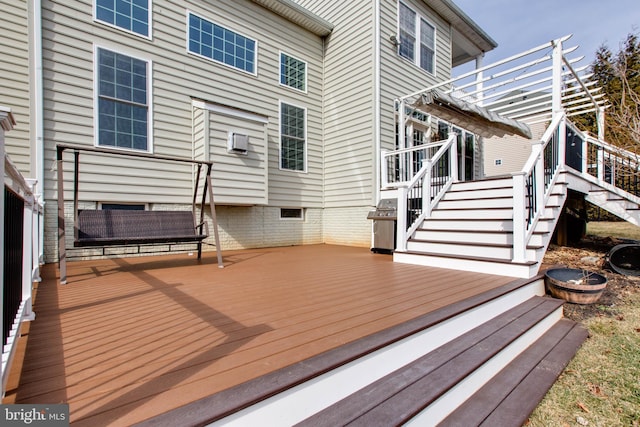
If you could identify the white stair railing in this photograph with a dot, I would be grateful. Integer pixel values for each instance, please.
(533, 184)
(417, 198)
(399, 167)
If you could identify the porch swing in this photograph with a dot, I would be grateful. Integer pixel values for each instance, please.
(124, 227)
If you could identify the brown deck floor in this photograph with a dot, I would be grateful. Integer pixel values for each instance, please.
(130, 338)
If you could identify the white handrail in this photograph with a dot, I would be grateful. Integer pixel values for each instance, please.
(424, 177)
(401, 157)
(526, 217)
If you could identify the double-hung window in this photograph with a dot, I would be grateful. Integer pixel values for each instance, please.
(122, 101)
(292, 137)
(130, 15)
(293, 72)
(417, 39)
(220, 44)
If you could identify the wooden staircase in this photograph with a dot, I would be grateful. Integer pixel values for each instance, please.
(499, 350)
(471, 229)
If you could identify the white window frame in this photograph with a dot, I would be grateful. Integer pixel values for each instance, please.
(416, 60)
(96, 98)
(190, 52)
(306, 72)
(306, 138)
(300, 218)
(147, 36)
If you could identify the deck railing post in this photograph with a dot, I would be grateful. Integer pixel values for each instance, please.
(453, 158)
(27, 260)
(62, 254)
(585, 154)
(35, 232)
(562, 141)
(384, 171)
(401, 222)
(539, 183)
(600, 164)
(426, 189)
(519, 217)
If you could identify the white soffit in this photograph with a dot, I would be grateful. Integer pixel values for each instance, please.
(299, 15)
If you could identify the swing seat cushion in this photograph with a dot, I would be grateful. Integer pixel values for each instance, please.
(125, 227)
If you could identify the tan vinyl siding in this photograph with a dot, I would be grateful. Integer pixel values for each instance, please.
(238, 178)
(399, 76)
(14, 85)
(349, 92)
(200, 130)
(512, 151)
(177, 76)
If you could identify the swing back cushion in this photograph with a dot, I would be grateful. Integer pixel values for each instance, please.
(122, 227)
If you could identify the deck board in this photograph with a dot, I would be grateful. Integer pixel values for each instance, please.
(130, 338)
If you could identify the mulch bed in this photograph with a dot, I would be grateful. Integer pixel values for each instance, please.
(589, 254)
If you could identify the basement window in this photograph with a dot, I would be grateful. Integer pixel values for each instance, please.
(122, 206)
(292, 213)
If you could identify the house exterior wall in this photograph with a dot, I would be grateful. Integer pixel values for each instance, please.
(351, 155)
(348, 101)
(348, 111)
(511, 152)
(15, 89)
(177, 77)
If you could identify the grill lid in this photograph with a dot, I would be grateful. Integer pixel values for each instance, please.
(386, 209)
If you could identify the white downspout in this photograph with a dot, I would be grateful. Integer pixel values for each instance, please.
(38, 113)
(376, 101)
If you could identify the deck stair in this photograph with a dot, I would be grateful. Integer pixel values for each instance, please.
(433, 369)
(471, 229)
(612, 199)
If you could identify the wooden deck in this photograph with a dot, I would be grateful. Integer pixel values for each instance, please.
(127, 339)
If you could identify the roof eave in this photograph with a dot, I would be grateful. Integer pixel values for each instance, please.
(467, 34)
(297, 14)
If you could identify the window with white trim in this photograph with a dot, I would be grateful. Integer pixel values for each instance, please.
(292, 213)
(293, 72)
(130, 15)
(417, 38)
(122, 100)
(220, 44)
(292, 137)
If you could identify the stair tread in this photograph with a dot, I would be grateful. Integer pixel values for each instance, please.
(534, 387)
(473, 258)
(399, 396)
(510, 396)
(476, 219)
(508, 186)
(491, 245)
(484, 199)
(489, 208)
(473, 231)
